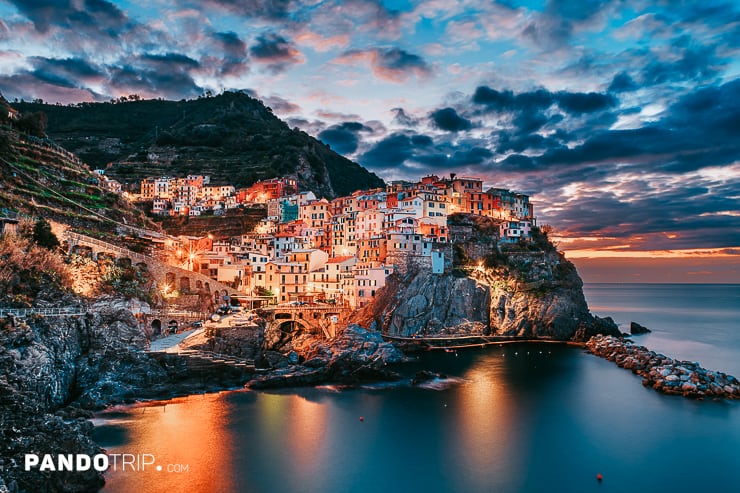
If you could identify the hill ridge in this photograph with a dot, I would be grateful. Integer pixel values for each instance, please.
(232, 137)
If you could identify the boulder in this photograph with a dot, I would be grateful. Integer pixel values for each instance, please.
(637, 329)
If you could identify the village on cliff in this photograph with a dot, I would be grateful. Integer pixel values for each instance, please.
(338, 251)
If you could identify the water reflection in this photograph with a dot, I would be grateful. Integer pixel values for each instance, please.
(522, 418)
(188, 439)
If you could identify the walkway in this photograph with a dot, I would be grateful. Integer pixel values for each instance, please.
(171, 343)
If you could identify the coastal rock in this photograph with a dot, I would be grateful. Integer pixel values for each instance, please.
(48, 363)
(489, 301)
(637, 329)
(664, 374)
(354, 356)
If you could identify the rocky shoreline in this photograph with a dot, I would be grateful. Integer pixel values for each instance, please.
(665, 374)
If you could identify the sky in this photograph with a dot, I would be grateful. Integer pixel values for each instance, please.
(620, 118)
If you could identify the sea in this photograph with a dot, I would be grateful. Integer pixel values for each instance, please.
(529, 417)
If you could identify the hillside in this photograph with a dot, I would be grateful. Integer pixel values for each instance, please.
(38, 178)
(231, 137)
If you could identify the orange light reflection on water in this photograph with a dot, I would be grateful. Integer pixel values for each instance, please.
(486, 420)
(184, 432)
(308, 425)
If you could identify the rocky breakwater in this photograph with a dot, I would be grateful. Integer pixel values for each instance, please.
(356, 355)
(665, 374)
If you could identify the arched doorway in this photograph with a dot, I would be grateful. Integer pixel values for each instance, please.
(185, 285)
(170, 279)
(156, 327)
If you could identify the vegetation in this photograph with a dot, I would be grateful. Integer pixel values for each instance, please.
(39, 179)
(232, 137)
(125, 280)
(27, 268)
(43, 236)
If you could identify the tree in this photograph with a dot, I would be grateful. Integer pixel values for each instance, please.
(43, 236)
(34, 124)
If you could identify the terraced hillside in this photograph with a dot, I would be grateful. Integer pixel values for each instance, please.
(231, 137)
(38, 178)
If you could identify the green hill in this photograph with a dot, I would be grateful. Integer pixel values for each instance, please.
(231, 137)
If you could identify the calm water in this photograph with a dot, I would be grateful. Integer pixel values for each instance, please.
(517, 418)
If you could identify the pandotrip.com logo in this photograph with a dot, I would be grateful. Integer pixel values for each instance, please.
(99, 462)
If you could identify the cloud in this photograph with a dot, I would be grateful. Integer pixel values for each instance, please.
(280, 105)
(391, 64)
(554, 27)
(275, 51)
(153, 75)
(88, 15)
(229, 54)
(343, 138)
(695, 63)
(400, 117)
(390, 152)
(68, 72)
(573, 102)
(448, 119)
(579, 103)
(622, 82)
(273, 10)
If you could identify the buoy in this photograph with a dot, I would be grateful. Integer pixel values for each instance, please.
(599, 477)
(362, 419)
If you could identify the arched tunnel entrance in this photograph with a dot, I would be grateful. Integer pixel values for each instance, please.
(156, 327)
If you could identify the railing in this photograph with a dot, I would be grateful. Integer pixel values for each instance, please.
(109, 246)
(46, 312)
(177, 313)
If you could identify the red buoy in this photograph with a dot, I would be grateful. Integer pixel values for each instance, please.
(362, 419)
(599, 477)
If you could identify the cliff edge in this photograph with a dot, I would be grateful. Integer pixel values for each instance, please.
(524, 293)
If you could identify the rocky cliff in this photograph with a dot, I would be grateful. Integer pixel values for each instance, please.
(524, 294)
(46, 364)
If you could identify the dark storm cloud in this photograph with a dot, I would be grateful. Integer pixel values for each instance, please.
(579, 103)
(231, 44)
(398, 59)
(87, 15)
(421, 140)
(175, 60)
(390, 152)
(391, 63)
(696, 64)
(692, 212)
(343, 138)
(506, 100)
(276, 51)
(622, 82)
(448, 119)
(168, 75)
(229, 54)
(68, 72)
(575, 103)
(474, 156)
(400, 149)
